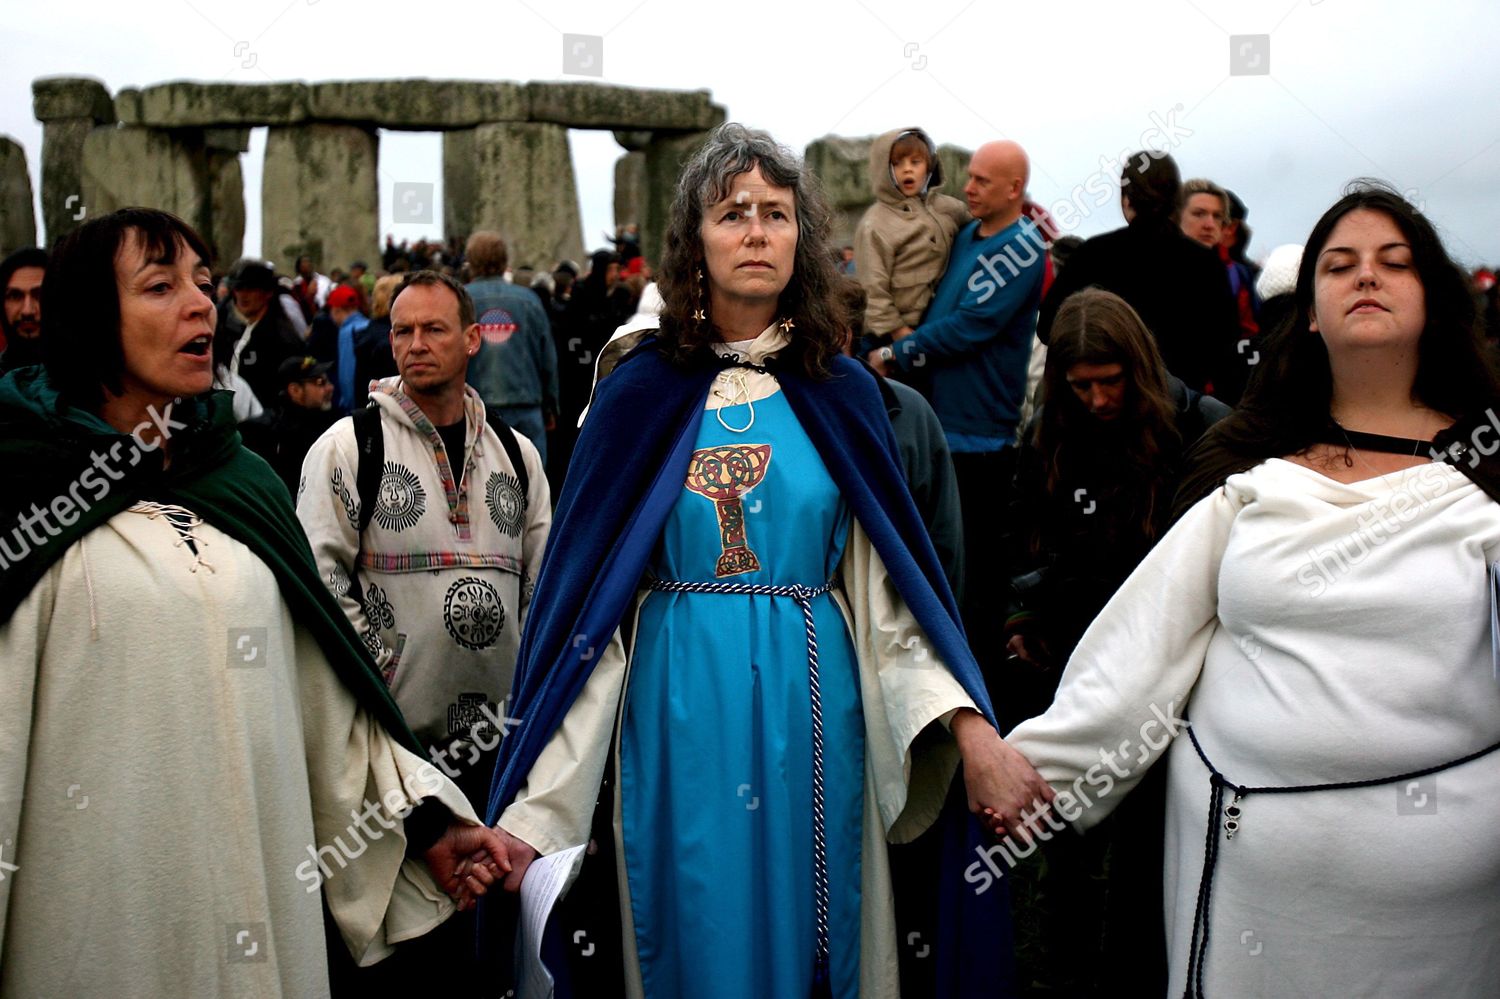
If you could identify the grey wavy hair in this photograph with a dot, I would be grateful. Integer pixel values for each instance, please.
(811, 298)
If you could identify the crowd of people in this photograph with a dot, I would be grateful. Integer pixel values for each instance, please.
(884, 620)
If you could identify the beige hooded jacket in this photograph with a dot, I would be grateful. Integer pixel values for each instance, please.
(902, 243)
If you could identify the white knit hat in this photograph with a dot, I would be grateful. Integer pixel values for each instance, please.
(1278, 275)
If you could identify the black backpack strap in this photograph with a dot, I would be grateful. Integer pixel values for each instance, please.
(369, 442)
(512, 449)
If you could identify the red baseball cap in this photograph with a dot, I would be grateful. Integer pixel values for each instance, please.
(343, 297)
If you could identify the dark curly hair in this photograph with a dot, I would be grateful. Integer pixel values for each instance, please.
(1285, 409)
(811, 298)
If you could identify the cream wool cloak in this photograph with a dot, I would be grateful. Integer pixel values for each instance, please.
(1314, 632)
(904, 689)
(173, 751)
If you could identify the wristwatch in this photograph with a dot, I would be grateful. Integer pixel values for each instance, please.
(887, 355)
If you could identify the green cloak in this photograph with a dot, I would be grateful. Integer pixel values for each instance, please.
(66, 471)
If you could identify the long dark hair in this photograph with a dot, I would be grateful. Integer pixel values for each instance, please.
(811, 299)
(1285, 408)
(1099, 327)
(81, 298)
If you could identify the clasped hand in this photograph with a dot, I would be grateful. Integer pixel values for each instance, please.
(466, 861)
(1005, 791)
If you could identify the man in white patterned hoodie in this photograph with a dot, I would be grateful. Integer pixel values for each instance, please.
(437, 574)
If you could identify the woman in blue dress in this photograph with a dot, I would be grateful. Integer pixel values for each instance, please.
(785, 689)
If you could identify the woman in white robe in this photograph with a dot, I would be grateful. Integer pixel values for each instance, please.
(188, 749)
(1321, 616)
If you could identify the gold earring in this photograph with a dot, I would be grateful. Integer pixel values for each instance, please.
(698, 296)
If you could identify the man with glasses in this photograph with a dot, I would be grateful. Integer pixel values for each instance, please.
(300, 414)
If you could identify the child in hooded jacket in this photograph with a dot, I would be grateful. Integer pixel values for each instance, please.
(902, 244)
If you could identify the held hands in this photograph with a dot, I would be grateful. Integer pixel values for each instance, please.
(517, 856)
(466, 861)
(1000, 782)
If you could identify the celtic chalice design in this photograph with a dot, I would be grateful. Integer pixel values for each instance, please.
(723, 475)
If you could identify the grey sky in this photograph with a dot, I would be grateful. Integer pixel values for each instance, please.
(1356, 87)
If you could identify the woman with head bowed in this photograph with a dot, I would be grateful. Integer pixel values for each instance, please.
(1320, 614)
(1095, 477)
(196, 752)
(742, 635)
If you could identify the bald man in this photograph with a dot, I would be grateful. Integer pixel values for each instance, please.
(974, 344)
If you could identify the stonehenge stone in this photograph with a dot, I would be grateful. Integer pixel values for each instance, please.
(458, 183)
(229, 140)
(955, 162)
(634, 140)
(226, 207)
(521, 184)
(17, 218)
(418, 105)
(665, 158)
(842, 166)
(630, 188)
(62, 175)
(506, 160)
(128, 106)
(176, 171)
(188, 104)
(319, 195)
(591, 105)
(68, 108)
(129, 166)
(54, 98)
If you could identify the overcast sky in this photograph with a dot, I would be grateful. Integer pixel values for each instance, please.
(1407, 92)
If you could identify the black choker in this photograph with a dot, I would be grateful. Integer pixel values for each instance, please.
(1408, 446)
(735, 361)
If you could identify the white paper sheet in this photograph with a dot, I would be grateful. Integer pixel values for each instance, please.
(545, 881)
(1495, 617)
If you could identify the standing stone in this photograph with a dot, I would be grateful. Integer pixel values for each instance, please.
(665, 157)
(523, 187)
(630, 188)
(226, 207)
(128, 106)
(226, 191)
(17, 219)
(842, 166)
(458, 184)
(129, 166)
(68, 108)
(634, 141)
(955, 162)
(319, 195)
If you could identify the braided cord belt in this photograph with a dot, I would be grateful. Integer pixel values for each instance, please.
(803, 595)
(1218, 786)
